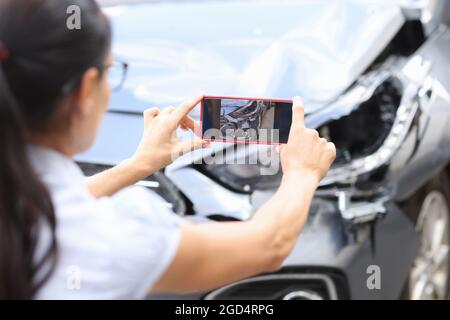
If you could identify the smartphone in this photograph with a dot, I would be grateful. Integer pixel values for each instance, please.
(246, 120)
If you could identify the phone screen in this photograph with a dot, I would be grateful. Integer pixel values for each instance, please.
(243, 120)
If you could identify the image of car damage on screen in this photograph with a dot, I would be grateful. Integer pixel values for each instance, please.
(246, 121)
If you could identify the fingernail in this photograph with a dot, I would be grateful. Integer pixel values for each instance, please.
(299, 99)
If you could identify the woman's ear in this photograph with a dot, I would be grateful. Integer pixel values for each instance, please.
(87, 91)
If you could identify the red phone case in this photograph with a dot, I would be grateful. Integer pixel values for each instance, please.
(239, 98)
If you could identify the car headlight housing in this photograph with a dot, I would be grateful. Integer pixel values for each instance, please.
(365, 129)
(368, 137)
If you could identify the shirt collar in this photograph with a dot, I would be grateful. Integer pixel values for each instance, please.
(53, 166)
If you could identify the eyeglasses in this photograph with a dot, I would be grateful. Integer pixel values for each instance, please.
(117, 73)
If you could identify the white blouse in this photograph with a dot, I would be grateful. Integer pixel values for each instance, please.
(109, 248)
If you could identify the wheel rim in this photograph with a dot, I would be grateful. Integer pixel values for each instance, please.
(429, 275)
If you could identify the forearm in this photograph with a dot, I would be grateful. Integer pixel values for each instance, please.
(214, 254)
(285, 214)
(125, 174)
(262, 244)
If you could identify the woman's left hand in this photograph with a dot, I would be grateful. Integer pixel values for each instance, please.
(160, 144)
(159, 147)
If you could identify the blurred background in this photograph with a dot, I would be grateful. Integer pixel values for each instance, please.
(375, 78)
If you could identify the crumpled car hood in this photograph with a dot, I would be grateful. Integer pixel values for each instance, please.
(313, 49)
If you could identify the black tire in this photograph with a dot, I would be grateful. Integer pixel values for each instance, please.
(412, 207)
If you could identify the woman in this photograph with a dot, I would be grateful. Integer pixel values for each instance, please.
(62, 236)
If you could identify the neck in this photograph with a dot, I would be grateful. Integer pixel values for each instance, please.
(52, 141)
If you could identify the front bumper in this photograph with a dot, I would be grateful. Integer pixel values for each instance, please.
(335, 259)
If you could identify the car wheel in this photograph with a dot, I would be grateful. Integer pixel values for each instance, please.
(429, 209)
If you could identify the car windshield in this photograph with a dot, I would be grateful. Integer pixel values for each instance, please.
(310, 48)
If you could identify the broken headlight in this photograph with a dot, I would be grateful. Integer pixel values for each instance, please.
(368, 136)
(365, 129)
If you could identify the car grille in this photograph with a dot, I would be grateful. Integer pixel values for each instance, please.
(157, 182)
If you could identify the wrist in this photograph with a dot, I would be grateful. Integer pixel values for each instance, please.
(138, 168)
(307, 177)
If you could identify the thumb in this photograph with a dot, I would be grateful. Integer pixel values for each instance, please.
(150, 114)
(298, 113)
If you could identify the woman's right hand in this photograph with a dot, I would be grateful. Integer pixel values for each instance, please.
(305, 152)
